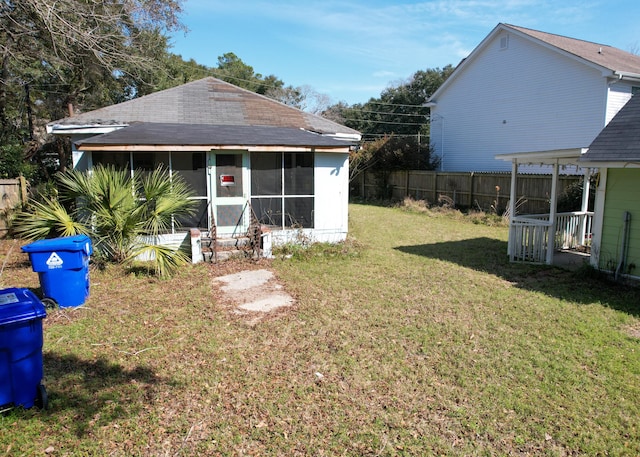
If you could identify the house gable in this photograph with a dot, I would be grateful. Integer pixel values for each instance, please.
(520, 91)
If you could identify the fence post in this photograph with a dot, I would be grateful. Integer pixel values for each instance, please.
(435, 187)
(471, 189)
(23, 192)
(406, 184)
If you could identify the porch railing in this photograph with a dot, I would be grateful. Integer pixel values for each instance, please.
(573, 230)
(529, 235)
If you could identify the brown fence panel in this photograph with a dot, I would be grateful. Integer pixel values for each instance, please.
(482, 191)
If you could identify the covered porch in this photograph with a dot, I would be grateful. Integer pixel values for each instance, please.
(552, 238)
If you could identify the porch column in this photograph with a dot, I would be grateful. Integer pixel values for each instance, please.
(585, 204)
(512, 205)
(553, 209)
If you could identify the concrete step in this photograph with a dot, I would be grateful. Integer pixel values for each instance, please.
(225, 242)
(226, 248)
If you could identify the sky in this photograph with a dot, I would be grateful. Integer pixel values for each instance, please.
(351, 50)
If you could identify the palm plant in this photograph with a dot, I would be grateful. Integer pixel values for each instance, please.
(123, 214)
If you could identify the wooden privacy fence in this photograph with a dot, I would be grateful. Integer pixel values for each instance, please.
(13, 194)
(483, 191)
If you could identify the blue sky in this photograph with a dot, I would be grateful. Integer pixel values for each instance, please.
(352, 50)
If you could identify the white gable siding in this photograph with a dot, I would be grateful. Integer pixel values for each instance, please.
(619, 95)
(522, 98)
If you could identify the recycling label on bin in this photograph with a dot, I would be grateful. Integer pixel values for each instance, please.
(54, 261)
(6, 299)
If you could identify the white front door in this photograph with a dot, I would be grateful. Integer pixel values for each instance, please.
(229, 191)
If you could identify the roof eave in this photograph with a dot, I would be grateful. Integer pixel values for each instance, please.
(585, 161)
(82, 129)
(92, 147)
(627, 76)
(569, 156)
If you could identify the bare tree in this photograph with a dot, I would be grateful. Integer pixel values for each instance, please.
(68, 42)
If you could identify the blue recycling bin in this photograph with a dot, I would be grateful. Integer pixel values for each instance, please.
(62, 265)
(21, 314)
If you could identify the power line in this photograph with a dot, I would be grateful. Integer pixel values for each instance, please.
(388, 122)
(391, 114)
(394, 104)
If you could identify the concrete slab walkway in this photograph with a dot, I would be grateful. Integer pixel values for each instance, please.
(254, 291)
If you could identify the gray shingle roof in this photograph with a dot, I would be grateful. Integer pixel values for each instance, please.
(212, 135)
(207, 101)
(606, 56)
(619, 141)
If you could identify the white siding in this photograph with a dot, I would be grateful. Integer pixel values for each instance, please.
(331, 197)
(519, 99)
(619, 95)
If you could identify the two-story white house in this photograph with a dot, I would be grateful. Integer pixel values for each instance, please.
(523, 90)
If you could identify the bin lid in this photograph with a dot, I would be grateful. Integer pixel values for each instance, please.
(18, 305)
(66, 243)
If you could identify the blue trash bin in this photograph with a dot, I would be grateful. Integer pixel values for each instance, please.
(21, 314)
(62, 265)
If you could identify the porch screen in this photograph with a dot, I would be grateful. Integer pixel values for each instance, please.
(282, 188)
(191, 166)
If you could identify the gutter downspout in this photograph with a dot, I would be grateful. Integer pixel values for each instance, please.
(626, 219)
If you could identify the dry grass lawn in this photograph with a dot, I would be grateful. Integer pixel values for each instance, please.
(416, 337)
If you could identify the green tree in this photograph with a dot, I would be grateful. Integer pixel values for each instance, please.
(123, 214)
(56, 54)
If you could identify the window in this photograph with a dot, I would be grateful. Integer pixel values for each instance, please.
(192, 167)
(282, 188)
(635, 90)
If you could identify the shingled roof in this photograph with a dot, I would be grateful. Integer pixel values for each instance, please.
(604, 55)
(619, 141)
(160, 134)
(207, 101)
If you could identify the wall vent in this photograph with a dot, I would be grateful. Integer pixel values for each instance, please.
(504, 42)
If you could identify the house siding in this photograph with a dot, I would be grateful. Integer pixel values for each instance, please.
(331, 197)
(519, 99)
(622, 194)
(619, 94)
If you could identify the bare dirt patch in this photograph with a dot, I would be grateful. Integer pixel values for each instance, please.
(253, 293)
(633, 330)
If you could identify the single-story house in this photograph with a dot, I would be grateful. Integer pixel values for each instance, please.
(242, 154)
(615, 152)
(527, 90)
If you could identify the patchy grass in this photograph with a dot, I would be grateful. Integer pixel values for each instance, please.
(421, 340)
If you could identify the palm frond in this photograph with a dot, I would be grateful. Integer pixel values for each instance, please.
(47, 219)
(165, 261)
